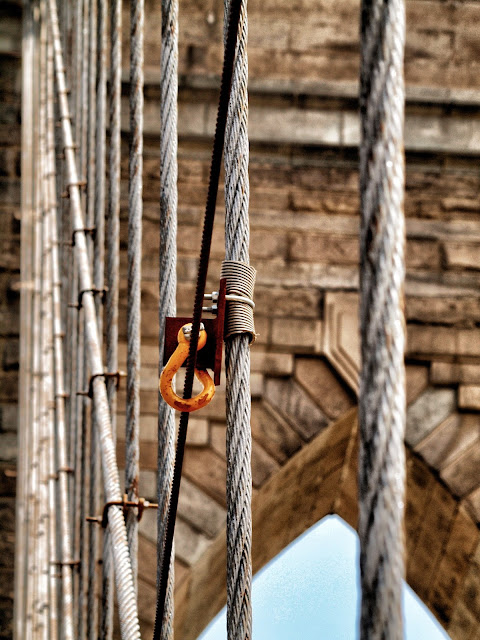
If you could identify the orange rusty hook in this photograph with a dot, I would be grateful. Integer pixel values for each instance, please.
(173, 365)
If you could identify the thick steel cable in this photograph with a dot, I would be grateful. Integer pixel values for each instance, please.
(123, 571)
(62, 470)
(113, 260)
(237, 355)
(382, 274)
(96, 253)
(98, 72)
(88, 428)
(209, 218)
(35, 621)
(135, 167)
(167, 282)
(48, 443)
(29, 107)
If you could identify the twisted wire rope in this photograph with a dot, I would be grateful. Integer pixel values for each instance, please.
(112, 280)
(382, 381)
(167, 281)
(43, 628)
(95, 246)
(59, 395)
(34, 620)
(237, 353)
(134, 272)
(123, 570)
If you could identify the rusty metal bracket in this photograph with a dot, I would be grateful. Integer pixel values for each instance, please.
(210, 357)
(90, 230)
(141, 505)
(118, 375)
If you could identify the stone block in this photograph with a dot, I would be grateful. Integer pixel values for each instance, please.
(263, 465)
(148, 484)
(442, 341)
(462, 475)
(324, 248)
(469, 397)
(266, 244)
(217, 439)
(8, 417)
(272, 432)
(198, 509)
(207, 470)
(319, 380)
(462, 624)
(10, 355)
(197, 434)
(297, 334)
(427, 412)
(279, 302)
(8, 447)
(462, 255)
(444, 373)
(296, 406)
(453, 565)
(422, 561)
(416, 381)
(189, 544)
(272, 364)
(449, 440)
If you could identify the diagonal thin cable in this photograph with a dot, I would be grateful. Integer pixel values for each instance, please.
(167, 281)
(123, 570)
(382, 274)
(209, 218)
(112, 256)
(135, 185)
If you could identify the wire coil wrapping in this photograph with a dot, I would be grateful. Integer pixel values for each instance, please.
(240, 281)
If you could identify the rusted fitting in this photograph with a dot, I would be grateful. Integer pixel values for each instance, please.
(141, 504)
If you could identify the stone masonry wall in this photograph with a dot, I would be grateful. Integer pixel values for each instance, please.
(10, 88)
(303, 58)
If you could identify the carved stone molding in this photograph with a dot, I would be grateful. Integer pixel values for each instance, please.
(341, 343)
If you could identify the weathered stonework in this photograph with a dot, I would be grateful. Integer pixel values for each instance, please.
(304, 211)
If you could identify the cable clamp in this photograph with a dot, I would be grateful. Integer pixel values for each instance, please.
(141, 504)
(79, 184)
(106, 374)
(91, 230)
(94, 290)
(230, 297)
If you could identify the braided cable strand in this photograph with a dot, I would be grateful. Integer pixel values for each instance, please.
(167, 281)
(134, 271)
(382, 383)
(113, 247)
(237, 354)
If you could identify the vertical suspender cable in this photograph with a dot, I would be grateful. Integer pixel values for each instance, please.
(49, 438)
(59, 399)
(209, 218)
(167, 280)
(24, 405)
(382, 274)
(113, 246)
(127, 604)
(237, 355)
(91, 453)
(134, 271)
(85, 413)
